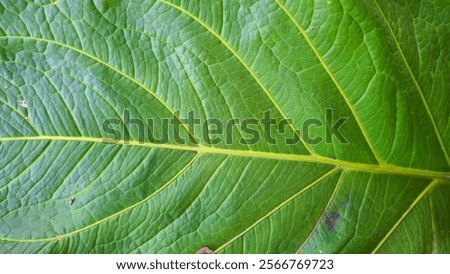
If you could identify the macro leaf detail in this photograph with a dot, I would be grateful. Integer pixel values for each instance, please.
(330, 118)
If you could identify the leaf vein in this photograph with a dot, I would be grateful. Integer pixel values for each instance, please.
(371, 168)
(404, 215)
(270, 213)
(98, 60)
(333, 78)
(416, 84)
(246, 66)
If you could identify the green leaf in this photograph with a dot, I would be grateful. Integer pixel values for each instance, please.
(382, 67)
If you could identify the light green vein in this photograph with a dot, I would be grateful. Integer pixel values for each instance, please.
(162, 102)
(52, 3)
(270, 213)
(416, 84)
(26, 119)
(385, 169)
(404, 215)
(246, 66)
(333, 78)
(60, 237)
(319, 220)
(433, 227)
(28, 167)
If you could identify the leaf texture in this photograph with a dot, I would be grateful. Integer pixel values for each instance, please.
(67, 66)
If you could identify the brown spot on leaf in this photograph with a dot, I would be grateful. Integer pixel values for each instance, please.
(204, 250)
(332, 219)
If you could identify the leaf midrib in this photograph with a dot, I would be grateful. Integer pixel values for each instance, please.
(202, 149)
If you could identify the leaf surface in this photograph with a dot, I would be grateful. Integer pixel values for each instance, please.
(68, 66)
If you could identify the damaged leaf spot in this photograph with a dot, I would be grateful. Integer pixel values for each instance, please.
(23, 103)
(204, 250)
(331, 220)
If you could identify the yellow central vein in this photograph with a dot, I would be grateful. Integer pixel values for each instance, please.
(404, 215)
(253, 74)
(100, 61)
(270, 213)
(416, 84)
(333, 78)
(385, 169)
